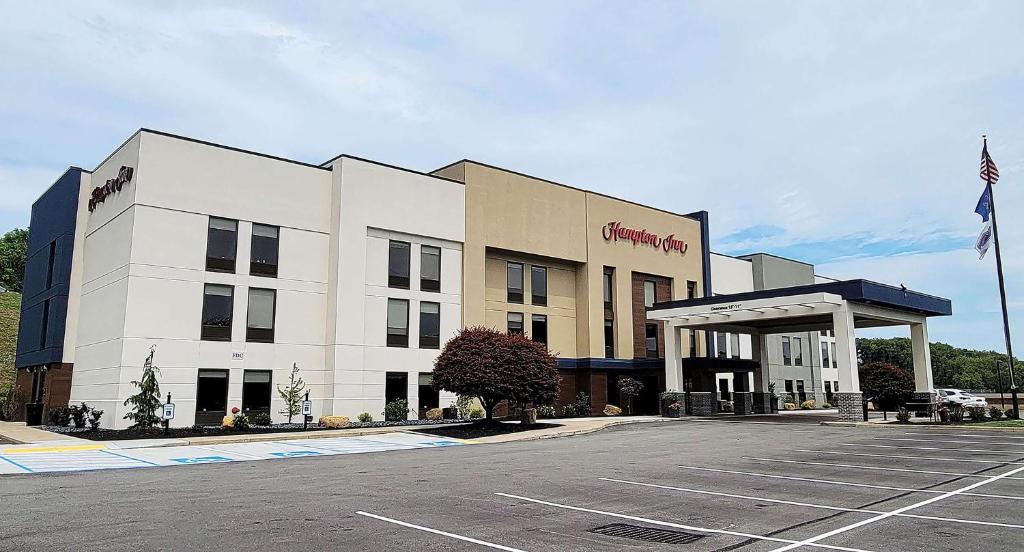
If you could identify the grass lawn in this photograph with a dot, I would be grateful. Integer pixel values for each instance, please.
(10, 309)
(1001, 423)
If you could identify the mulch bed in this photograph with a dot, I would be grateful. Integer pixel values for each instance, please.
(187, 432)
(483, 429)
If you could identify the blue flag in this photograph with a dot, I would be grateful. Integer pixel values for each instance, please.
(984, 207)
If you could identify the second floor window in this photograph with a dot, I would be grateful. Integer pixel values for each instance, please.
(263, 259)
(539, 285)
(608, 284)
(515, 282)
(787, 352)
(218, 309)
(721, 339)
(734, 343)
(259, 326)
(430, 268)
(515, 323)
(651, 340)
(691, 289)
(49, 264)
(824, 354)
(398, 323)
(430, 325)
(398, 264)
(649, 289)
(798, 352)
(221, 244)
(44, 325)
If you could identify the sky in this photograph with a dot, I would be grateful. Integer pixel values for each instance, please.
(846, 134)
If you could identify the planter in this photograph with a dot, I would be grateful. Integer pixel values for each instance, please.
(528, 416)
(664, 404)
(671, 413)
(450, 413)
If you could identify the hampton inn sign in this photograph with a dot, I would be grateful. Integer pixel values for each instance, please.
(100, 193)
(615, 231)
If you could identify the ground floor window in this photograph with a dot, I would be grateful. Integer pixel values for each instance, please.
(515, 323)
(800, 391)
(609, 339)
(828, 391)
(256, 391)
(539, 328)
(396, 386)
(211, 396)
(723, 390)
(429, 396)
(789, 391)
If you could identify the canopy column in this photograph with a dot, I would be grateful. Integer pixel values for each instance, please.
(673, 358)
(922, 358)
(849, 398)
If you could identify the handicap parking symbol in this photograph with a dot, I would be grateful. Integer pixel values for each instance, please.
(201, 460)
(295, 453)
(441, 443)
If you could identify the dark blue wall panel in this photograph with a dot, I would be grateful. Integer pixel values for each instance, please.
(53, 221)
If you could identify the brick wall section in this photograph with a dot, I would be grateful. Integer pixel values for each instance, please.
(598, 392)
(743, 403)
(850, 406)
(761, 403)
(662, 292)
(701, 403)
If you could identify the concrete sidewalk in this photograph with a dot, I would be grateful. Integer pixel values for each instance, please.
(19, 433)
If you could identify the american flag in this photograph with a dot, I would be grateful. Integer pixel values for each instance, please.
(989, 172)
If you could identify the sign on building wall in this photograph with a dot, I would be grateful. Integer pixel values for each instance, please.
(616, 231)
(100, 193)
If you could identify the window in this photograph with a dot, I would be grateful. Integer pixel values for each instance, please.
(514, 273)
(787, 354)
(828, 391)
(824, 355)
(259, 326)
(651, 340)
(789, 390)
(218, 309)
(430, 268)
(693, 343)
(396, 386)
(691, 289)
(430, 397)
(798, 352)
(648, 293)
(539, 328)
(608, 279)
(398, 323)
(49, 264)
(721, 339)
(256, 390)
(835, 358)
(515, 323)
(801, 393)
(835, 386)
(44, 324)
(398, 264)
(263, 261)
(609, 339)
(734, 344)
(430, 325)
(723, 390)
(539, 285)
(211, 396)
(221, 243)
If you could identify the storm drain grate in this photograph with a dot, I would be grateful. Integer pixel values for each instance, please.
(646, 534)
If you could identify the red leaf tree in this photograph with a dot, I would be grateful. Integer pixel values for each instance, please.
(494, 366)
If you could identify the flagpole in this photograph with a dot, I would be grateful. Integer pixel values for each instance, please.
(1002, 288)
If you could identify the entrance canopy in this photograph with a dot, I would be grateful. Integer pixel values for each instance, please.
(840, 306)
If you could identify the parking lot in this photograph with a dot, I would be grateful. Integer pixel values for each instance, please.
(702, 486)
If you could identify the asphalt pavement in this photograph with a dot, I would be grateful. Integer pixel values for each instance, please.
(701, 486)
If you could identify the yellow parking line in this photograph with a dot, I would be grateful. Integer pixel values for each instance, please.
(56, 448)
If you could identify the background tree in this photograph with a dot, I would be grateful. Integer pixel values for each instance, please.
(629, 389)
(494, 366)
(13, 249)
(886, 384)
(951, 366)
(146, 403)
(292, 394)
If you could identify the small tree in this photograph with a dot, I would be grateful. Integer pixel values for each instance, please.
(291, 394)
(146, 403)
(629, 388)
(494, 366)
(886, 384)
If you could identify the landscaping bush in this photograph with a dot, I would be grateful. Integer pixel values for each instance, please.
(434, 414)
(240, 422)
(495, 366)
(60, 416)
(465, 405)
(672, 395)
(612, 410)
(886, 384)
(826, 405)
(476, 413)
(364, 417)
(903, 416)
(808, 405)
(582, 403)
(569, 410)
(789, 406)
(260, 418)
(956, 415)
(995, 412)
(198, 428)
(396, 410)
(94, 418)
(146, 403)
(545, 411)
(78, 414)
(1008, 413)
(976, 413)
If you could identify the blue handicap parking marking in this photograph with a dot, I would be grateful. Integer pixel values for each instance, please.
(201, 460)
(296, 453)
(442, 443)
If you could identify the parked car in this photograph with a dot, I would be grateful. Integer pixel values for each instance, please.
(956, 397)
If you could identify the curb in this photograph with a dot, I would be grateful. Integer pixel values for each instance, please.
(569, 433)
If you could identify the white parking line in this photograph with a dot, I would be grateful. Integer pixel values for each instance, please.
(872, 468)
(1001, 435)
(670, 524)
(946, 441)
(969, 460)
(845, 483)
(442, 533)
(963, 490)
(808, 505)
(979, 451)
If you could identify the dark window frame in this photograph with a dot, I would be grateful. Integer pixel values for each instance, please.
(217, 332)
(430, 284)
(691, 289)
(49, 264)
(221, 264)
(651, 353)
(430, 341)
(539, 300)
(734, 344)
(44, 328)
(721, 342)
(397, 339)
(264, 269)
(270, 387)
(798, 351)
(261, 335)
(514, 295)
(609, 339)
(509, 322)
(608, 288)
(787, 351)
(396, 279)
(543, 319)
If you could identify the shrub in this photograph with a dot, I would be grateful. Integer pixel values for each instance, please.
(240, 422)
(903, 416)
(94, 418)
(976, 413)
(887, 385)
(465, 405)
(789, 406)
(629, 388)
(826, 405)
(60, 416)
(292, 394)
(494, 366)
(569, 410)
(364, 417)
(582, 403)
(545, 411)
(672, 395)
(198, 428)
(260, 418)
(956, 415)
(612, 410)
(146, 403)
(995, 412)
(396, 411)
(808, 405)
(78, 414)
(1008, 413)
(476, 413)
(435, 414)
